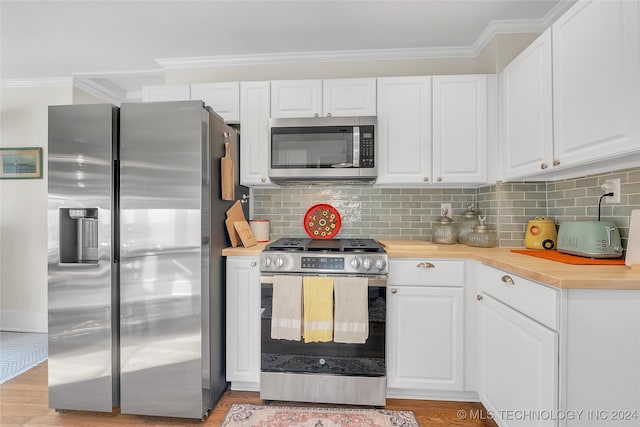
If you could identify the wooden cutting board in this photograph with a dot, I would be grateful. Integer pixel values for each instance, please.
(234, 214)
(632, 258)
(245, 233)
(227, 174)
(408, 245)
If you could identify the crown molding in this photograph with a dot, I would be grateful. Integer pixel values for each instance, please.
(42, 82)
(102, 87)
(100, 91)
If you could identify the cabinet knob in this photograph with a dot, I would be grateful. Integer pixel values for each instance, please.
(425, 179)
(508, 279)
(425, 265)
(479, 297)
(556, 162)
(328, 114)
(439, 179)
(264, 180)
(543, 166)
(394, 290)
(253, 264)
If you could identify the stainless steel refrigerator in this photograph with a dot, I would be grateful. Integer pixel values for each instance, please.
(136, 278)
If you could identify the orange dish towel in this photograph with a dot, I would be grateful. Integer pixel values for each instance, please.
(318, 308)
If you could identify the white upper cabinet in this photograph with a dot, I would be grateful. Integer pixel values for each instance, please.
(460, 129)
(404, 130)
(296, 98)
(157, 93)
(323, 98)
(526, 113)
(254, 137)
(596, 81)
(349, 97)
(223, 98)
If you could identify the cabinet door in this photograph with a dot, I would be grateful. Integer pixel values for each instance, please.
(404, 130)
(349, 97)
(526, 111)
(243, 321)
(460, 129)
(518, 364)
(254, 138)
(596, 83)
(166, 93)
(425, 338)
(223, 98)
(296, 98)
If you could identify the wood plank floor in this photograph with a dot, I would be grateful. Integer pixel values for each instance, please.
(24, 402)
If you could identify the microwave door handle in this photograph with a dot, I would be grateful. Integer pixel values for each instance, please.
(356, 146)
(343, 165)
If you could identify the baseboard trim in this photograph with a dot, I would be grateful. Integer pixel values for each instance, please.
(23, 321)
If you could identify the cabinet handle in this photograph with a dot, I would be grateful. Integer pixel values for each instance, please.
(394, 290)
(556, 162)
(479, 297)
(328, 114)
(253, 264)
(439, 179)
(425, 265)
(508, 279)
(264, 180)
(425, 179)
(543, 166)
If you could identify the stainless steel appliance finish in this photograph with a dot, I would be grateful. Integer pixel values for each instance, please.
(83, 275)
(140, 325)
(323, 149)
(171, 235)
(326, 372)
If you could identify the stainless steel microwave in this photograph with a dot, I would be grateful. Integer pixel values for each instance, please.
(322, 149)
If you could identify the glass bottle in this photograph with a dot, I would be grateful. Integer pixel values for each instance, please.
(468, 222)
(482, 236)
(443, 230)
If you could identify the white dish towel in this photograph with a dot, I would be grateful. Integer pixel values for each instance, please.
(351, 319)
(286, 308)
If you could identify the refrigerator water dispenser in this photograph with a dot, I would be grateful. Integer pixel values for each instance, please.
(78, 235)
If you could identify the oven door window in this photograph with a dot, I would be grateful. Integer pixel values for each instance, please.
(333, 358)
(311, 147)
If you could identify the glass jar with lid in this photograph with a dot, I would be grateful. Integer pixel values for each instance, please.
(443, 230)
(482, 236)
(466, 225)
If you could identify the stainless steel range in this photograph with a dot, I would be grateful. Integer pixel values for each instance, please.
(327, 372)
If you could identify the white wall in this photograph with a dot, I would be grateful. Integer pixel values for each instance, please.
(23, 210)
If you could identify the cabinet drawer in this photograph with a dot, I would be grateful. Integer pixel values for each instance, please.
(425, 272)
(537, 301)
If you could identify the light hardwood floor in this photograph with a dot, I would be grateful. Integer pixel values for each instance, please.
(24, 402)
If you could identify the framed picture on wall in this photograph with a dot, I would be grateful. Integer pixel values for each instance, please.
(21, 163)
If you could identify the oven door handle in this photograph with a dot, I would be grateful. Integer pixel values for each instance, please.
(371, 281)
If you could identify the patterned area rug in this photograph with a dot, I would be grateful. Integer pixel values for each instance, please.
(247, 415)
(20, 352)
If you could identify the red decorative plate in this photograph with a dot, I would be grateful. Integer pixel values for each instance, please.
(322, 221)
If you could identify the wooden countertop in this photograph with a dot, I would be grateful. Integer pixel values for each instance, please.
(565, 276)
(560, 275)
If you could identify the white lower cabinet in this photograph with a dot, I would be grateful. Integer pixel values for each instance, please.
(518, 365)
(425, 328)
(243, 323)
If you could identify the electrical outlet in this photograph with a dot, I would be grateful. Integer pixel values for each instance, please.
(446, 206)
(612, 186)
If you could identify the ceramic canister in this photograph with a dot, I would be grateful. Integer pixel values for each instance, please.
(541, 233)
(260, 228)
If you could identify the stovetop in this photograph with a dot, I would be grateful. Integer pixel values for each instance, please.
(301, 244)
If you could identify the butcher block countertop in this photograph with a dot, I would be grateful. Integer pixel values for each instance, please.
(560, 275)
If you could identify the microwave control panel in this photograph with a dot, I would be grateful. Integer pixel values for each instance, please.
(367, 149)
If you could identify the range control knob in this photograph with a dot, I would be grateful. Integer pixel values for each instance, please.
(367, 263)
(266, 262)
(278, 261)
(355, 262)
(381, 264)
